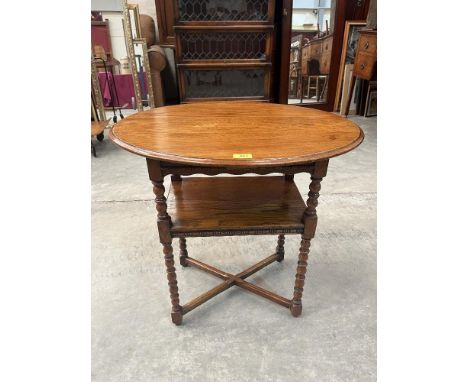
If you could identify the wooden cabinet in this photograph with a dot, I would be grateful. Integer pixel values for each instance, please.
(223, 50)
(319, 50)
(367, 42)
(366, 54)
(365, 60)
(165, 11)
(363, 66)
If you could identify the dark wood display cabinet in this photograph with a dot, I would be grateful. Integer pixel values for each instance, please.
(224, 50)
(240, 49)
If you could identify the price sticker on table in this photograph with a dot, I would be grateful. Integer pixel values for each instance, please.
(242, 156)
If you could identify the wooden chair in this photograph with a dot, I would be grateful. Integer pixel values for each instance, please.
(314, 80)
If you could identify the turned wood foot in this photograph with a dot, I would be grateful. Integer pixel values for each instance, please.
(280, 248)
(183, 254)
(296, 309)
(176, 318)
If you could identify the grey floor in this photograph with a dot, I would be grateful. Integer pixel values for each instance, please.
(236, 336)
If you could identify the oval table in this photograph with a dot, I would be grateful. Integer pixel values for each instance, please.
(236, 138)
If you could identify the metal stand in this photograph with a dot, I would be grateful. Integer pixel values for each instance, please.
(113, 91)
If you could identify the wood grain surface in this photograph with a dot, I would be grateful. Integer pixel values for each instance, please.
(199, 204)
(210, 133)
(97, 127)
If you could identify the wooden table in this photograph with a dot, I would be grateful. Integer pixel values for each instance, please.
(237, 138)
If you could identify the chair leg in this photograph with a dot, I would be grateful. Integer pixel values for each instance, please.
(280, 248)
(324, 87)
(317, 88)
(183, 254)
(93, 149)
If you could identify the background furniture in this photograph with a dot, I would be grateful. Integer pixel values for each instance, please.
(365, 60)
(341, 11)
(156, 57)
(100, 36)
(124, 86)
(102, 46)
(224, 49)
(279, 17)
(348, 54)
(225, 206)
(97, 129)
(98, 114)
(165, 13)
(137, 50)
(295, 66)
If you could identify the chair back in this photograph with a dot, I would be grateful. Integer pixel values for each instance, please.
(313, 67)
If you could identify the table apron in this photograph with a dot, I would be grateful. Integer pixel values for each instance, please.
(173, 169)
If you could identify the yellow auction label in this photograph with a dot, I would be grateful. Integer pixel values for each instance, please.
(242, 156)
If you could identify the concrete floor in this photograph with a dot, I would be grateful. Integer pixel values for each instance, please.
(236, 336)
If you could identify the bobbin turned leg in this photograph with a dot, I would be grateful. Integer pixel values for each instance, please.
(183, 254)
(296, 306)
(280, 248)
(176, 313)
(310, 224)
(164, 224)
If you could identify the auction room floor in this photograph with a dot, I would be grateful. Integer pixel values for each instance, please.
(236, 336)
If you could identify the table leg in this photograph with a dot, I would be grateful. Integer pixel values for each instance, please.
(310, 224)
(280, 248)
(164, 223)
(183, 254)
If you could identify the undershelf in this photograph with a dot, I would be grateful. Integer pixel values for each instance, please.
(235, 205)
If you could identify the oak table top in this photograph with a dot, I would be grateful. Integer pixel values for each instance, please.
(236, 134)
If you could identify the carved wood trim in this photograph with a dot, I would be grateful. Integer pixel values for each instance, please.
(238, 232)
(193, 170)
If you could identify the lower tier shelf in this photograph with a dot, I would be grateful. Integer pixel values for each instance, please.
(235, 205)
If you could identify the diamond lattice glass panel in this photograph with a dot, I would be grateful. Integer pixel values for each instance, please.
(223, 10)
(224, 83)
(223, 45)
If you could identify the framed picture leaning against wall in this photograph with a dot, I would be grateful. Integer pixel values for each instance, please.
(350, 38)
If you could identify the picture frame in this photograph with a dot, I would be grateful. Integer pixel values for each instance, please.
(141, 47)
(348, 51)
(127, 27)
(134, 13)
(370, 109)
